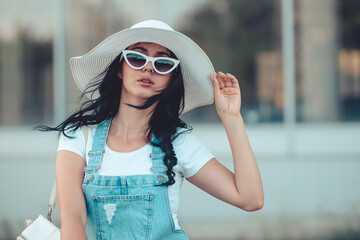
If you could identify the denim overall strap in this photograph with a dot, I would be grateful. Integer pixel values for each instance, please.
(158, 165)
(98, 149)
(127, 206)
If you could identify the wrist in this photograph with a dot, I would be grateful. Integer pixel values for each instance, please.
(234, 125)
(231, 117)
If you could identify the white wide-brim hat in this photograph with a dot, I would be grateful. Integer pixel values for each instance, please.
(195, 64)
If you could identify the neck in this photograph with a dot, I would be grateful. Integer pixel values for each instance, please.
(131, 123)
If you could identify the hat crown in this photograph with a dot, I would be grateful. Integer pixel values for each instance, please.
(153, 24)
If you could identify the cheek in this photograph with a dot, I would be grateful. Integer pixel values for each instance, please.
(127, 73)
(166, 80)
(125, 69)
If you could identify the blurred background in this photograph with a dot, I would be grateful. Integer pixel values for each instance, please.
(298, 65)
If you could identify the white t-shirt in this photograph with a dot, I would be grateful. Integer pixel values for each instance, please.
(190, 152)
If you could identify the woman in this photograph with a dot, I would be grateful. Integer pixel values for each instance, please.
(125, 182)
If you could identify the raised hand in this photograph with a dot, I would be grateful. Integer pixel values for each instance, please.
(227, 95)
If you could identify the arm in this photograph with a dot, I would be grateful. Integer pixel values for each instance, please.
(72, 207)
(242, 188)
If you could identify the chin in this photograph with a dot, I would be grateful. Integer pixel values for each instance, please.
(142, 98)
(137, 95)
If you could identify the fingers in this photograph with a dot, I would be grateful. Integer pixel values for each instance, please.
(220, 80)
(226, 80)
(215, 83)
(233, 80)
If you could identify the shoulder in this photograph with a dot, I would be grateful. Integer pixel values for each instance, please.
(191, 153)
(187, 142)
(77, 133)
(74, 141)
(182, 136)
(72, 132)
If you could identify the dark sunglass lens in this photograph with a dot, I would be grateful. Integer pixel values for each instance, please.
(136, 60)
(163, 65)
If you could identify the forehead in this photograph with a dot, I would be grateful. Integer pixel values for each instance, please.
(150, 46)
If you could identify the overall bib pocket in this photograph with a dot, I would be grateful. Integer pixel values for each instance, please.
(124, 216)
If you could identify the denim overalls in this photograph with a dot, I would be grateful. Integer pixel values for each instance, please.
(127, 207)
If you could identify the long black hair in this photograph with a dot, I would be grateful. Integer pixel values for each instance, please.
(164, 122)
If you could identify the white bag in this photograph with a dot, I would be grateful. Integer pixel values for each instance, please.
(42, 228)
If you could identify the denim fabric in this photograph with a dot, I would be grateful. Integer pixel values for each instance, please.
(127, 207)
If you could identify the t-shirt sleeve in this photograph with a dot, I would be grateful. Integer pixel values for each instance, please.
(76, 145)
(192, 155)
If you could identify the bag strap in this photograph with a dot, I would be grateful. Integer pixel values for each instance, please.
(86, 129)
(53, 195)
(52, 201)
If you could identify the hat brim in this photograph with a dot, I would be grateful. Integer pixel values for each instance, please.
(195, 64)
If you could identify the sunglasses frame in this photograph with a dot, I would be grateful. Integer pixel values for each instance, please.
(149, 59)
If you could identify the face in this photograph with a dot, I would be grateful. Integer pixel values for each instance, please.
(141, 84)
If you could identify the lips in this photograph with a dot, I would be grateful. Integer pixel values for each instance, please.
(146, 80)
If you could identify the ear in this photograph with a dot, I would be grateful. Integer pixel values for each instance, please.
(119, 75)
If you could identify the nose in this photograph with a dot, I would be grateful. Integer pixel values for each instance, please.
(149, 67)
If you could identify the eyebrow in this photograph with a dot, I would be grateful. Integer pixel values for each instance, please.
(145, 50)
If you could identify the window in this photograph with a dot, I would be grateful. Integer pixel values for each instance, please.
(26, 85)
(328, 57)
